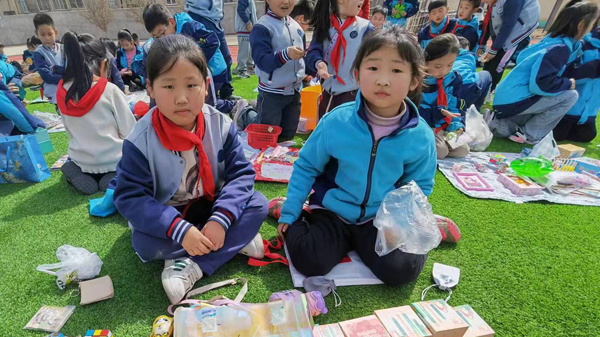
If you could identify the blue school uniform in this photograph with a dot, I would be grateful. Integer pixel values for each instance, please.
(13, 114)
(122, 60)
(469, 30)
(539, 72)
(430, 31)
(429, 109)
(50, 63)
(411, 7)
(28, 58)
(350, 172)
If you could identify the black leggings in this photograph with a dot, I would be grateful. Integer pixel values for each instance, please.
(492, 66)
(319, 241)
(137, 80)
(568, 129)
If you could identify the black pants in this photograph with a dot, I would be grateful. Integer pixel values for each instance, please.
(568, 129)
(279, 110)
(137, 80)
(492, 66)
(319, 241)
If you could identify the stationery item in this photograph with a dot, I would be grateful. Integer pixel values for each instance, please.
(569, 151)
(59, 163)
(477, 326)
(519, 185)
(368, 326)
(96, 290)
(329, 330)
(50, 319)
(472, 181)
(98, 333)
(440, 318)
(402, 322)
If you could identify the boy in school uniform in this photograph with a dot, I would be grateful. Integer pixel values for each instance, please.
(439, 23)
(245, 19)
(48, 58)
(467, 25)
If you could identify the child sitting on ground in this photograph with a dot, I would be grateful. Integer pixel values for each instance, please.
(442, 106)
(579, 124)
(338, 32)
(115, 75)
(125, 56)
(32, 43)
(245, 19)
(539, 91)
(95, 114)
(48, 58)
(183, 182)
(439, 22)
(467, 25)
(354, 149)
(398, 11)
(476, 85)
(378, 17)
(14, 118)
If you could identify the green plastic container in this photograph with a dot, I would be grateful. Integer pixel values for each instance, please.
(44, 140)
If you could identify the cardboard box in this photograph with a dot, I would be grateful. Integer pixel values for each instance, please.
(568, 151)
(440, 318)
(589, 165)
(368, 326)
(477, 326)
(329, 330)
(519, 185)
(402, 322)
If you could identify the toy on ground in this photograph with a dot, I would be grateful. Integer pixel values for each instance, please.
(498, 159)
(519, 185)
(99, 333)
(562, 164)
(501, 168)
(162, 327)
(531, 167)
(481, 167)
(457, 167)
(473, 182)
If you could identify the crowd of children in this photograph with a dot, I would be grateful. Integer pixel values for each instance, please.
(179, 174)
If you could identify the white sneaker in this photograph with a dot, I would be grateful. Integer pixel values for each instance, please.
(255, 248)
(179, 277)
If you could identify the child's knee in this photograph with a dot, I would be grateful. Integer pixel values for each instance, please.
(401, 268)
(442, 150)
(260, 202)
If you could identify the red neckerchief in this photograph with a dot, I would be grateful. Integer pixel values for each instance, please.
(486, 23)
(174, 138)
(85, 104)
(441, 31)
(340, 43)
(442, 99)
(458, 26)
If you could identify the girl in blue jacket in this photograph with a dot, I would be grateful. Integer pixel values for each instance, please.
(183, 181)
(358, 153)
(442, 105)
(579, 124)
(540, 90)
(125, 57)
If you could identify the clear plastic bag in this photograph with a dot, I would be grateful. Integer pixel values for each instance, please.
(478, 130)
(546, 148)
(76, 264)
(405, 221)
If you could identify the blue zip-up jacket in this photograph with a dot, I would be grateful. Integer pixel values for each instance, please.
(28, 58)
(588, 104)
(429, 110)
(8, 71)
(469, 30)
(148, 175)
(13, 113)
(50, 64)
(350, 172)
(122, 61)
(207, 40)
(466, 66)
(431, 31)
(210, 9)
(115, 76)
(539, 72)
(139, 61)
(411, 7)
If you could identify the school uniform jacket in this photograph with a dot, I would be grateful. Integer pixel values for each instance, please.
(350, 172)
(512, 21)
(466, 66)
(13, 113)
(317, 52)
(244, 15)
(588, 104)
(122, 60)
(148, 175)
(50, 64)
(430, 31)
(539, 72)
(210, 9)
(429, 110)
(277, 72)
(469, 30)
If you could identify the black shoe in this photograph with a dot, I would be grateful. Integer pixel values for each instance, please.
(105, 181)
(82, 182)
(226, 91)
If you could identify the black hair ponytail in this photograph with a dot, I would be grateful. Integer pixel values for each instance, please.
(83, 56)
(321, 19)
(567, 21)
(125, 34)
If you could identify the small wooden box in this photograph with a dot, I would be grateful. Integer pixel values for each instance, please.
(568, 151)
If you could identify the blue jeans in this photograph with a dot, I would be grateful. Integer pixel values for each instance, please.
(479, 92)
(225, 78)
(240, 234)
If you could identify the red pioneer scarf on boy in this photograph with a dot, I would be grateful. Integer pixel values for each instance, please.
(174, 138)
(340, 43)
(486, 24)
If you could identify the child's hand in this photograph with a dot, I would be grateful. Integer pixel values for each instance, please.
(394, 11)
(249, 26)
(281, 229)
(295, 52)
(13, 88)
(449, 114)
(479, 52)
(487, 57)
(322, 70)
(195, 243)
(215, 233)
(573, 84)
(403, 14)
(460, 131)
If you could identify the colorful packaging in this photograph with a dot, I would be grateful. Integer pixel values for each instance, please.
(477, 326)
(568, 151)
(519, 185)
(368, 326)
(402, 322)
(589, 165)
(329, 330)
(440, 318)
(98, 333)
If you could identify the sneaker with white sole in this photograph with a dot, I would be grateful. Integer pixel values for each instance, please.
(179, 277)
(519, 137)
(255, 248)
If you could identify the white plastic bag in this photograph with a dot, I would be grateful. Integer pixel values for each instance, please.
(405, 221)
(546, 148)
(478, 130)
(76, 264)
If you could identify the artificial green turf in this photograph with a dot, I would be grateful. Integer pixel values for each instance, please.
(528, 270)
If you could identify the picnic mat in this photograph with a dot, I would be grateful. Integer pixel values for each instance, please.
(137, 96)
(500, 192)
